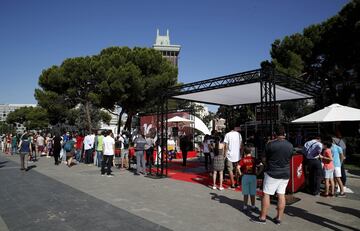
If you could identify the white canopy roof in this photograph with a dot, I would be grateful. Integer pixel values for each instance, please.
(241, 94)
(199, 125)
(177, 119)
(332, 113)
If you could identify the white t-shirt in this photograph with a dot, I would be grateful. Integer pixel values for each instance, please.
(40, 141)
(88, 142)
(233, 143)
(122, 140)
(206, 144)
(109, 143)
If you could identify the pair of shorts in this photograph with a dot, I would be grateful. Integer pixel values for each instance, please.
(248, 185)
(70, 154)
(272, 185)
(337, 172)
(124, 153)
(230, 165)
(329, 173)
(40, 148)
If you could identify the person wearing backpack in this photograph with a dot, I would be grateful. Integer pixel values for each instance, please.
(69, 148)
(24, 150)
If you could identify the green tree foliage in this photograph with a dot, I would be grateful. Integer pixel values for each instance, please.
(130, 78)
(208, 118)
(294, 110)
(235, 116)
(77, 117)
(327, 53)
(30, 117)
(136, 78)
(6, 128)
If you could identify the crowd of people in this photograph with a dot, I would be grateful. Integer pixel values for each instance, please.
(323, 161)
(228, 153)
(41, 144)
(101, 149)
(223, 153)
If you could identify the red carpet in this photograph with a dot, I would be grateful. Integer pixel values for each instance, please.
(195, 172)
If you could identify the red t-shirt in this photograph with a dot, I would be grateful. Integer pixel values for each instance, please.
(248, 165)
(328, 164)
(79, 142)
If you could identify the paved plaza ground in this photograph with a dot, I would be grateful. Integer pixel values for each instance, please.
(50, 197)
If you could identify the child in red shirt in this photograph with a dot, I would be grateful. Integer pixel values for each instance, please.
(247, 167)
(327, 160)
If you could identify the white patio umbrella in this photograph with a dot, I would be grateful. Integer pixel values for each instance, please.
(332, 113)
(178, 119)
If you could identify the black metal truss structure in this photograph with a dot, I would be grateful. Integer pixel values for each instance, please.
(254, 76)
(215, 83)
(268, 79)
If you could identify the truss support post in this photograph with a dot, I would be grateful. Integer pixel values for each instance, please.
(158, 142)
(166, 135)
(162, 137)
(268, 99)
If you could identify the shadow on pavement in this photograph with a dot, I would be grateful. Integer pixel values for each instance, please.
(2, 163)
(30, 167)
(237, 204)
(342, 209)
(354, 172)
(324, 222)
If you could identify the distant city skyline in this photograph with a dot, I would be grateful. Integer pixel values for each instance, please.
(216, 38)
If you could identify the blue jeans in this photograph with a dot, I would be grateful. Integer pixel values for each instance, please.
(140, 162)
(13, 149)
(64, 155)
(78, 155)
(99, 156)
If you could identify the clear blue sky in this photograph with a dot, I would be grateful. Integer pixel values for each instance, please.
(217, 37)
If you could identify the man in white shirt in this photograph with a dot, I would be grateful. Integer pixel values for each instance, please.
(40, 144)
(108, 154)
(89, 148)
(232, 149)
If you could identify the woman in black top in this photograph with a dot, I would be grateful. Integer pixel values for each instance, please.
(57, 148)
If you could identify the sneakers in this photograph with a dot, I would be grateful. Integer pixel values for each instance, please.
(232, 187)
(324, 194)
(341, 195)
(221, 188)
(110, 175)
(214, 187)
(277, 221)
(258, 220)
